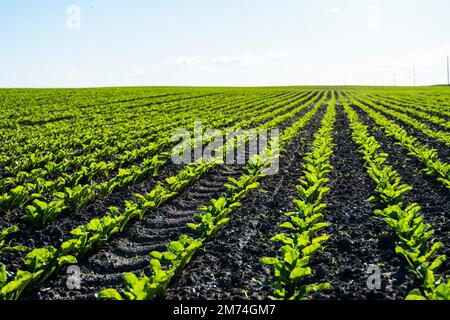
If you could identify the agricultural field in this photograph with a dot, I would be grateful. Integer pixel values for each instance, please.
(93, 205)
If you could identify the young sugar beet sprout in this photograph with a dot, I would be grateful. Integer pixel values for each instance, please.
(304, 236)
(414, 242)
(166, 265)
(41, 263)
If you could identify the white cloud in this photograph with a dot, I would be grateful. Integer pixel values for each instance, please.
(425, 58)
(138, 71)
(242, 60)
(385, 65)
(184, 61)
(279, 54)
(374, 19)
(335, 10)
(72, 74)
(212, 69)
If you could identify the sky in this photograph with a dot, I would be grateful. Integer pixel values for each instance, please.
(92, 43)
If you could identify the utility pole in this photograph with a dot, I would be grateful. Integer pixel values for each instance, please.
(414, 75)
(448, 72)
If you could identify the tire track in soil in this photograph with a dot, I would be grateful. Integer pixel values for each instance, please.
(129, 251)
(229, 263)
(54, 233)
(358, 238)
(429, 193)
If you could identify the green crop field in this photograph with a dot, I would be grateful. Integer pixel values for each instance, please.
(358, 207)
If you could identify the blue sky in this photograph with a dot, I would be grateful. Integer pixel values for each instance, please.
(233, 42)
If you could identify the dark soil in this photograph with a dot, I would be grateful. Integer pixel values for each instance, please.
(58, 231)
(442, 149)
(406, 111)
(229, 267)
(429, 193)
(358, 238)
(407, 104)
(128, 251)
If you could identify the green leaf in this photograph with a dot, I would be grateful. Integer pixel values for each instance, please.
(309, 250)
(437, 263)
(299, 273)
(130, 279)
(169, 256)
(110, 294)
(156, 254)
(269, 261)
(415, 295)
(155, 264)
(3, 276)
(176, 247)
(287, 225)
(67, 260)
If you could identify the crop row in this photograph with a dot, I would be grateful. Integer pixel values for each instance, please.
(303, 236)
(106, 126)
(441, 136)
(41, 213)
(423, 114)
(414, 237)
(98, 169)
(408, 104)
(428, 157)
(164, 266)
(44, 262)
(121, 138)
